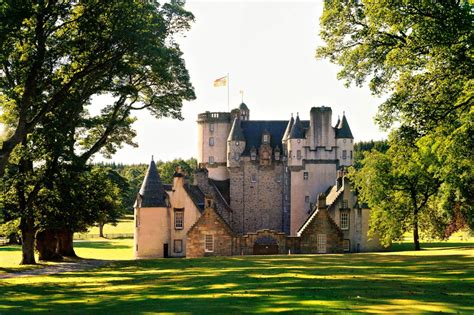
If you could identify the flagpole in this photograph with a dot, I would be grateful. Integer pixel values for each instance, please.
(228, 87)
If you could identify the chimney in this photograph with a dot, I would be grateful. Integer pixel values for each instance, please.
(321, 201)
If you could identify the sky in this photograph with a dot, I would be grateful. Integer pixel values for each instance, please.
(268, 50)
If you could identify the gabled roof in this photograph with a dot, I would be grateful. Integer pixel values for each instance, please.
(343, 130)
(196, 195)
(297, 131)
(152, 192)
(236, 133)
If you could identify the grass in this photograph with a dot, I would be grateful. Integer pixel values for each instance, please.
(124, 226)
(437, 279)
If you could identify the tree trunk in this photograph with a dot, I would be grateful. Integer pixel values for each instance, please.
(65, 243)
(46, 245)
(101, 229)
(28, 242)
(416, 237)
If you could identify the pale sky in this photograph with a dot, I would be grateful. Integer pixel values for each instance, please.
(268, 49)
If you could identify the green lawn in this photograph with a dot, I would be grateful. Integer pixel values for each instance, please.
(437, 279)
(124, 226)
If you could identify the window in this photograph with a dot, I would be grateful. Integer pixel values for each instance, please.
(345, 204)
(305, 175)
(236, 156)
(137, 221)
(209, 243)
(211, 127)
(344, 140)
(321, 243)
(178, 246)
(211, 159)
(345, 220)
(346, 245)
(306, 199)
(290, 155)
(253, 155)
(253, 178)
(266, 138)
(211, 141)
(344, 154)
(237, 143)
(277, 154)
(350, 154)
(359, 213)
(178, 219)
(298, 154)
(278, 179)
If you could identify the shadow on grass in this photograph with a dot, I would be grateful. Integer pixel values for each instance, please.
(10, 248)
(300, 283)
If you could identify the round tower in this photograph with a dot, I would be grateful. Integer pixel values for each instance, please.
(213, 131)
(296, 140)
(344, 142)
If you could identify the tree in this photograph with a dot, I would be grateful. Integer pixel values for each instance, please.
(418, 51)
(400, 188)
(366, 146)
(58, 55)
(55, 57)
(420, 54)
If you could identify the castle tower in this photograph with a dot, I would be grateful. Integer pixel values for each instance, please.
(151, 237)
(244, 112)
(344, 142)
(296, 141)
(213, 131)
(235, 144)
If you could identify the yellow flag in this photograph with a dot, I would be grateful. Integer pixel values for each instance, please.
(221, 82)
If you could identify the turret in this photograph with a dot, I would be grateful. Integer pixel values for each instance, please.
(151, 217)
(244, 112)
(296, 140)
(213, 131)
(344, 142)
(235, 144)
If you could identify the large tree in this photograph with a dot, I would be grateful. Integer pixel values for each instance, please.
(56, 54)
(55, 57)
(419, 54)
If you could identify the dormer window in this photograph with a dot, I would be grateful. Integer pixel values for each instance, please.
(277, 154)
(266, 138)
(253, 154)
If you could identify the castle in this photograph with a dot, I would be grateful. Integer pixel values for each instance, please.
(262, 187)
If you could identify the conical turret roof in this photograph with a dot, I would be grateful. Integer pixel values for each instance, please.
(288, 128)
(152, 192)
(343, 130)
(243, 106)
(297, 131)
(236, 132)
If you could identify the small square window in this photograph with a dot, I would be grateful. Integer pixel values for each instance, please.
(211, 127)
(211, 141)
(178, 246)
(211, 159)
(266, 138)
(298, 154)
(344, 154)
(253, 178)
(305, 175)
(209, 243)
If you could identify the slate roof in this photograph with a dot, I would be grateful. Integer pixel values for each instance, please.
(224, 188)
(196, 195)
(288, 128)
(343, 130)
(243, 106)
(236, 133)
(152, 192)
(298, 130)
(253, 130)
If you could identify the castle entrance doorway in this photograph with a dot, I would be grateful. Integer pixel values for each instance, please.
(265, 245)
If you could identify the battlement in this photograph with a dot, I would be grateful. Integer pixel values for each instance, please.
(214, 117)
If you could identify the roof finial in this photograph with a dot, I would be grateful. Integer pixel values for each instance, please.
(297, 114)
(291, 115)
(152, 157)
(343, 113)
